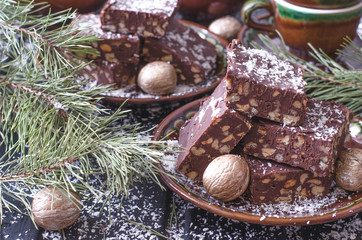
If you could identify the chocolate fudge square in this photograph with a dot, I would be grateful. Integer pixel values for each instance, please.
(113, 47)
(273, 182)
(260, 84)
(213, 131)
(313, 146)
(119, 74)
(192, 56)
(146, 18)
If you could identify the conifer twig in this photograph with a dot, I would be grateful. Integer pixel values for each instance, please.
(36, 92)
(86, 142)
(38, 171)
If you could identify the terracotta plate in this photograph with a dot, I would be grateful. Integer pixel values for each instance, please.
(336, 205)
(135, 96)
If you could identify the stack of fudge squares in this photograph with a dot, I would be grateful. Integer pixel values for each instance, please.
(134, 32)
(260, 111)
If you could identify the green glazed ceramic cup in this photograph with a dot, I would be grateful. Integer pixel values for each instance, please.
(322, 28)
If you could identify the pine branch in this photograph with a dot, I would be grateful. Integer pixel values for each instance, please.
(333, 81)
(52, 47)
(40, 171)
(36, 92)
(40, 77)
(352, 50)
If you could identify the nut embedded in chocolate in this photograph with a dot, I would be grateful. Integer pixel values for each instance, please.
(213, 131)
(193, 57)
(146, 18)
(263, 85)
(313, 146)
(271, 182)
(113, 47)
(106, 73)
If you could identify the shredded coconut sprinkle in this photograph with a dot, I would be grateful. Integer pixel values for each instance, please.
(263, 67)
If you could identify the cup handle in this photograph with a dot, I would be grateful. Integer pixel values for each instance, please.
(249, 7)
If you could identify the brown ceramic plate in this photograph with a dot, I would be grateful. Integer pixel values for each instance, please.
(135, 96)
(337, 205)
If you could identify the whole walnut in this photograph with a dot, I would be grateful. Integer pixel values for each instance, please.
(226, 27)
(157, 78)
(349, 169)
(226, 177)
(54, 210)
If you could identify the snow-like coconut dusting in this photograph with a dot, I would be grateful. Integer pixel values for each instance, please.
(265, 68)
(166, 7)
(132, 92)
(323, 119)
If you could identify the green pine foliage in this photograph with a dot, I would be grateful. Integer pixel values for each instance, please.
(64, 136)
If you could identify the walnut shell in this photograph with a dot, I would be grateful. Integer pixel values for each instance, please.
(226, 177)
(53, 210)
(349, 169)
(157, 78)
(226, 27)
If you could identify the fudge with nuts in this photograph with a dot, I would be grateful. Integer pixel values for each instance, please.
(113, 47)
(146, 18)
(213, 131)
(260, 84)
(120, 74)
(193, 57)
(313, 146)
(272, 182)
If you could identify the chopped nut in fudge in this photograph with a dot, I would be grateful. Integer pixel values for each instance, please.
(192, 56)
(260, 84)
(120, 74)
(113, 47)
(272, 182)
(146, 18)
(313, 146)
(213, 131)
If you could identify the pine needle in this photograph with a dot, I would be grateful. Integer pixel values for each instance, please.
(64, 136)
